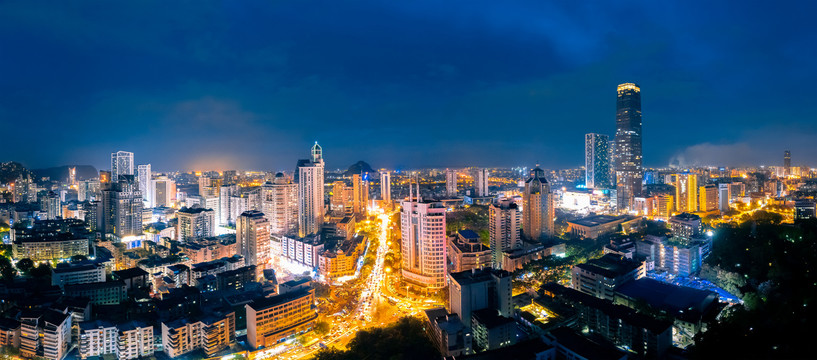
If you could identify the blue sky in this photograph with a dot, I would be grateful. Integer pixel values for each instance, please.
(252, 84)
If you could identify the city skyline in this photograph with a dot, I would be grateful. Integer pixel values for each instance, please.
(240, 86)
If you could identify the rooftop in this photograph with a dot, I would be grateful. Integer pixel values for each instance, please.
(130, 273)
(585, 347)
(477, 275)
(597, 220)
(669, 297)
(265, 303)
(610, 265)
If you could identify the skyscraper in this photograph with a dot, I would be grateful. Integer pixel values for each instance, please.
(537, 207)
(195, 223)
(279, 201)
(481, 181)
(627, 162)
(310, 193)
(787, 162)
(385, 186)
(164, 191)
(360, 194)
(724, 196)
(504, 225)
(121, 164)
(225, 195)
(451, 182)
(686, 192)
(708, 197)
(252, 238)
(145, 184)
(423, 241)
(122, 207)
(72, 176)
(597, 161)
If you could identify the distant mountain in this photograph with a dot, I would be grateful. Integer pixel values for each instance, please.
(9, 171)
(60, 173)
(359, 167)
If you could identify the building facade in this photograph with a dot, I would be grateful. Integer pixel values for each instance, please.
(597, 161)
(537, 207)
(627, 149)
(423, 243)
(504, 227)
(279, 202)
(310, 193)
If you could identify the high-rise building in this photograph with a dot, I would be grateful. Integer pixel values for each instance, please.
(385, 186)
(195, 223)
(597, 161)
(360, 194)
(537, 207)
(72, 176)
(451, 183)
(504, 225)
(686, 192)
(122, 207)
(423, 243)
(787, 162)
(279, 202)
(252, 238)
(627, 149)
(474, 290)
(310, 193)
(708, 197)
(121, 164)
(51, 205)
(724, 196)
(481, 181)
(164, 191)
(341, 201)
(145, 180)
(271, 320)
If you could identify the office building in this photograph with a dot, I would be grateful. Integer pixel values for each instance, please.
(423, 242)
(87, 190)
(50, 205)
(708, 198)
(122, 207)
(253, 239)
(274, 319)
(279, 202)
(600, 277)
(195, 223)
(466, 252)
(537, 207)
(597, 161)
(627, 157)
(385, 186)
(481, 182)
(360, 194)
(121, 164)
(504, 228)
(724, 197)
(164, 191)
(146, 185)
(450, 183)
(474, 290)
(686, 226)
(310, 193)
(787, 162)
(686, 192)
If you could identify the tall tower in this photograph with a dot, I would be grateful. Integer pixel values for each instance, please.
(627, 151)
(481, 182)
(537, 207)
(504, 223)
(310, 193)
(451, 182)
(385, 186)
(121, 164)
(423, 244)
(279, 201)
(143, 177)
(252, 238)
(597, 161)
(72, 176)
(787, 162)
(686, 193)
(360, 194)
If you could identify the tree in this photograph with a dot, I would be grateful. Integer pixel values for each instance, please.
(322, 328)
(44, 270)
(405, 339)
(6, 270)
(25, 265)
(78, 258)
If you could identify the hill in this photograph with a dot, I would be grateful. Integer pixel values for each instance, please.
(60, 173)
(359, 167)
(9, 171)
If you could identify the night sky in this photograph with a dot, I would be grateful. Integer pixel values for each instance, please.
(251, 85)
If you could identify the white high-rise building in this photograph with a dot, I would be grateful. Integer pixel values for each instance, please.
(724, 195)
(310, 193)
(423, 243)
(279, 202)
(195, 223)
(164, 191)
(504, 227)
(97, 338)
(597, 161)
(385, 186)
(481, 182)
(145, 179)
(135, 340)
(253, 239)
(121, 164)
(451, 182)
(225, 194)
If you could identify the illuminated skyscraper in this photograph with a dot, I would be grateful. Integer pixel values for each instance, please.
(787, 162)
(385, 186)
(537, 207)
(252, 238)
(597, 161)
(279, 201)
(145, 184)
(627, 150)
(310, 193)
(121, 164)
(451, 182)
(423, 244)
(708, 197)
(481, 182)
(360, 194)
(504, 225)
(686, 193)
(72, 176)
(164, 191)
